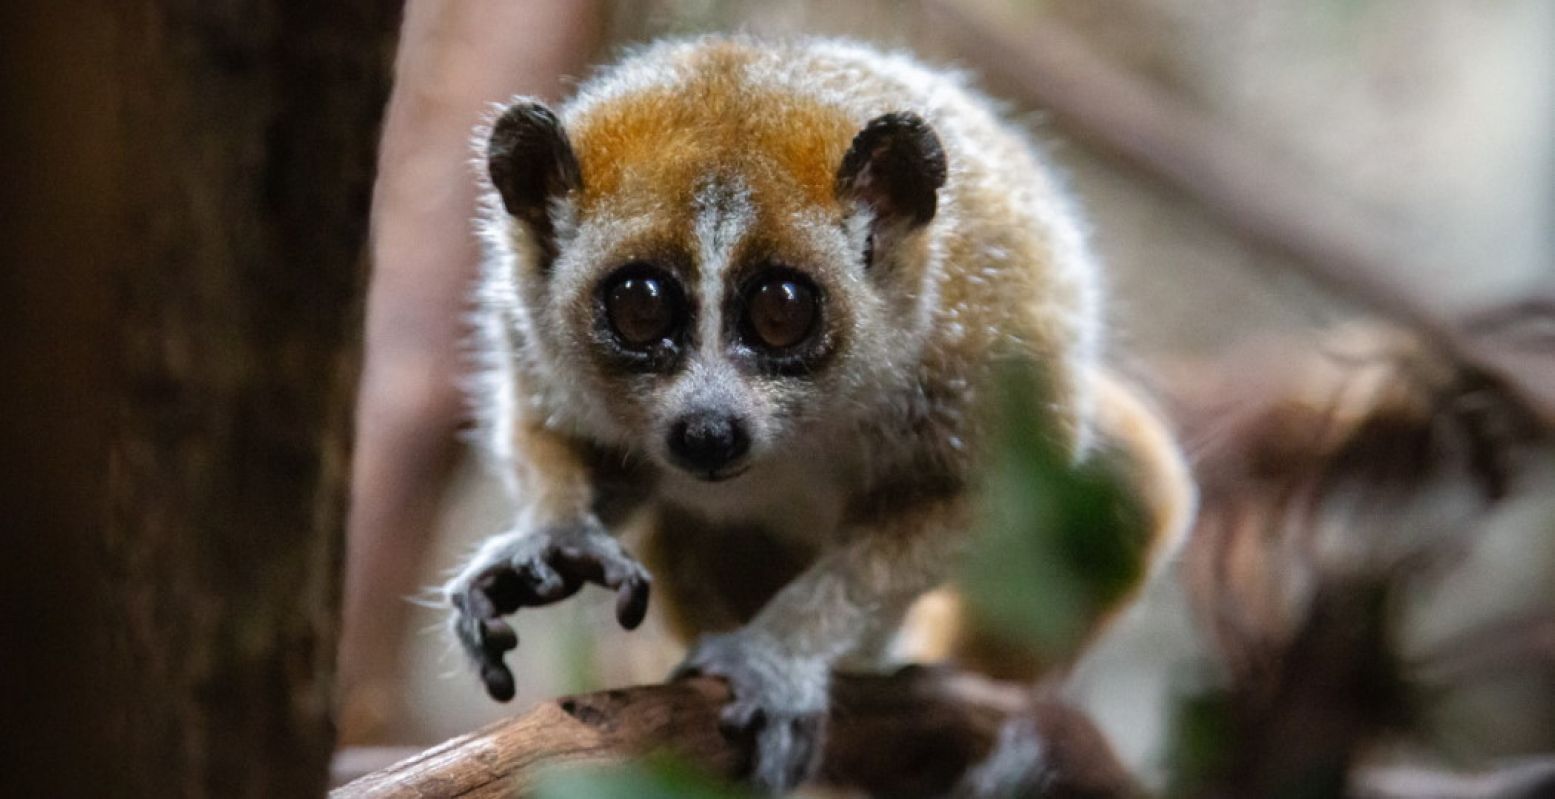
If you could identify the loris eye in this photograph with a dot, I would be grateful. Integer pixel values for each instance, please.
(644, 307)
(781, 310)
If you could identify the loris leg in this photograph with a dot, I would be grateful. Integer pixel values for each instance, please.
(1134, 445)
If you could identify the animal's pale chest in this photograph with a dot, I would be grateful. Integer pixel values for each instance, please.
(799, 498)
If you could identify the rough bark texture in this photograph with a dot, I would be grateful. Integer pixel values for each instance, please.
(250, 166)
(914, 733)
(222, 152)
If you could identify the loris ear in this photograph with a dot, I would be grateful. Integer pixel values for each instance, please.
(893, 170)
(531, 163)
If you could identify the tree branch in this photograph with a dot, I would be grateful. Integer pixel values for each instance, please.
(918, 732)
(1264, 200)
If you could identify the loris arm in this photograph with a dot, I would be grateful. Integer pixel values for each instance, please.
(779, 665)
(550, 479)
(555, 546)
(852, 592)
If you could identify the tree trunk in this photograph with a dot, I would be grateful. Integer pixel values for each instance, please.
(224, 173)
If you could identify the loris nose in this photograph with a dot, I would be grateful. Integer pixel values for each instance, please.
(707, 441)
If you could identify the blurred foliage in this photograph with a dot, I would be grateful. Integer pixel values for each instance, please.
(1207, 755)
(1061, 543)
(658, 777)
(1294, 727)
(1205, 731)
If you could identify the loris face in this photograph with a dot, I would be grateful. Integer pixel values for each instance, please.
(705, 301)
(710, 338)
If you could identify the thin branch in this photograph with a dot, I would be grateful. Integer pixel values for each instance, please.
(1520, 642)
(1253, 192)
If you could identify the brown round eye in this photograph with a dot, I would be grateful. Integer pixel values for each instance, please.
(641, 309)
(781, 312)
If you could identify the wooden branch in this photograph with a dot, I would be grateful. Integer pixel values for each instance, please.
(914, 733)
(1105, 106)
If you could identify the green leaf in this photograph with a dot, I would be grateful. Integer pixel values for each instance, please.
(658, 777)
(1060, 542)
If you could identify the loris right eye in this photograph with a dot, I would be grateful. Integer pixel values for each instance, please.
(644, 307)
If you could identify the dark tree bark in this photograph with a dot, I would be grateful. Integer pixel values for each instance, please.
(188, 628)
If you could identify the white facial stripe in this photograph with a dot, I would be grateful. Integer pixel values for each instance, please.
(723, 216)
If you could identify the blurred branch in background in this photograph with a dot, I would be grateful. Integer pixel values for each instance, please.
(455, 60)
(1246, 188)
(1335, 485)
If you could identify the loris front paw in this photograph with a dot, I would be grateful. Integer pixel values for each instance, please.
(779, 703)
(529, 569)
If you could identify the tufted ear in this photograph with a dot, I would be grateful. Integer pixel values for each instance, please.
(531, 163)
(894, 170)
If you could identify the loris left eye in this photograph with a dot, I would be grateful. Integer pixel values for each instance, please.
(644, 306)
(781, 310)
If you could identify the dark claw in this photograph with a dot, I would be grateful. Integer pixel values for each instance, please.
(806, 739)
(740, 720)
(530, 576)
(498, 679)
(485, 637)
(541, 583)
(498, 636)
(632, 603)
(773, 713)
(786, 752)
(625, 577)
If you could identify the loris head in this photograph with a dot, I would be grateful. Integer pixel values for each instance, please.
(707, 273)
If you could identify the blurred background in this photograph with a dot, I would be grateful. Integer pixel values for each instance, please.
(239, 252)
(1258, 175)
